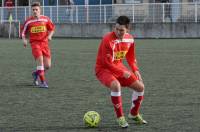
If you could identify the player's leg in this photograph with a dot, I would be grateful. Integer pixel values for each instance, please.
(38, 55)
(47, 63)
(47, 58)
(113, 84)
(137, 96)
(40, 71)
(116, 99)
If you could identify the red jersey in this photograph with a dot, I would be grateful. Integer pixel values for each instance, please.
(113, 50)
(37, 28)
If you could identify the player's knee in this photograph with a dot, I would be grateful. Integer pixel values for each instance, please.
(47, 67)
(141, 88)
(115, 86)
(137, 86)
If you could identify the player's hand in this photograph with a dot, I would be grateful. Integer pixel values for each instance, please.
(49, 38)
(50, 35)
(25, 43)
(127, 74)
(137, 73)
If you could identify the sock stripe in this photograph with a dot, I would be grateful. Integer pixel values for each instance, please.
(138, 93)
(40, 67)
(115, 93)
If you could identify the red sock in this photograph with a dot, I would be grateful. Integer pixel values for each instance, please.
(117, 103)
(40, 72)
(41, 75)
(136, 105)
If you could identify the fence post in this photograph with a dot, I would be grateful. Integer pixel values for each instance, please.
(16, 13)
(57, 13)
(100, 13)
(163, 12)
(154, 12)
(196, 15)
(104, 14)
(29, 10)
(76, 14)
(51, 13)
(87, 14)
(2, 17)
(133, 13)
(1, 14)
(19, 30)
(2, 5)
(25, 14)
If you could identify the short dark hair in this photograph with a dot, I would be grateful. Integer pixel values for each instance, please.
(35, 4)
(123, 20)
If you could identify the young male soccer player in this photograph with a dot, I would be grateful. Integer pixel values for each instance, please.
(110, 71)
(40, 29)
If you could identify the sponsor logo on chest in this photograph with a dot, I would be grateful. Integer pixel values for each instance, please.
(119, 55)
(38, 29)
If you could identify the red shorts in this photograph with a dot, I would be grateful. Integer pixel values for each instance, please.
(106, 77)
(40, 49)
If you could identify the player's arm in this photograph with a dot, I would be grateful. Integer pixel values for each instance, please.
(50, 28)
(107, 57)
(131, 59)
(50, 35)
(25, 41)
(23, 34)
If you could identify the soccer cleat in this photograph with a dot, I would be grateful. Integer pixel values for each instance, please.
(137, 119)
(122, 122)
(43, 85)
(35, 79)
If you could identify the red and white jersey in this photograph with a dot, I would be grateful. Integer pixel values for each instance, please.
(113, 50)
(37, 28)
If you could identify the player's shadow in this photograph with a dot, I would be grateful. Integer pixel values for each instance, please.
(42, 129)
(25, 85)
(108, 127)
(104, 128)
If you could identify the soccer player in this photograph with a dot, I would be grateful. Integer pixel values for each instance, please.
(9, 5)
(40, 29)
(110, 71)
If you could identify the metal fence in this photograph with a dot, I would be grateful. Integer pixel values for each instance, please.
(139, 13)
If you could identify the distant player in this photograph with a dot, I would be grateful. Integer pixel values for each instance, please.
(9, 5)
(110, 71)
(40, 29)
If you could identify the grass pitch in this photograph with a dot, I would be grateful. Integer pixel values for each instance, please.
(170, 70)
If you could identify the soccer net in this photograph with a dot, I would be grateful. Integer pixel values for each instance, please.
(10, 29)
